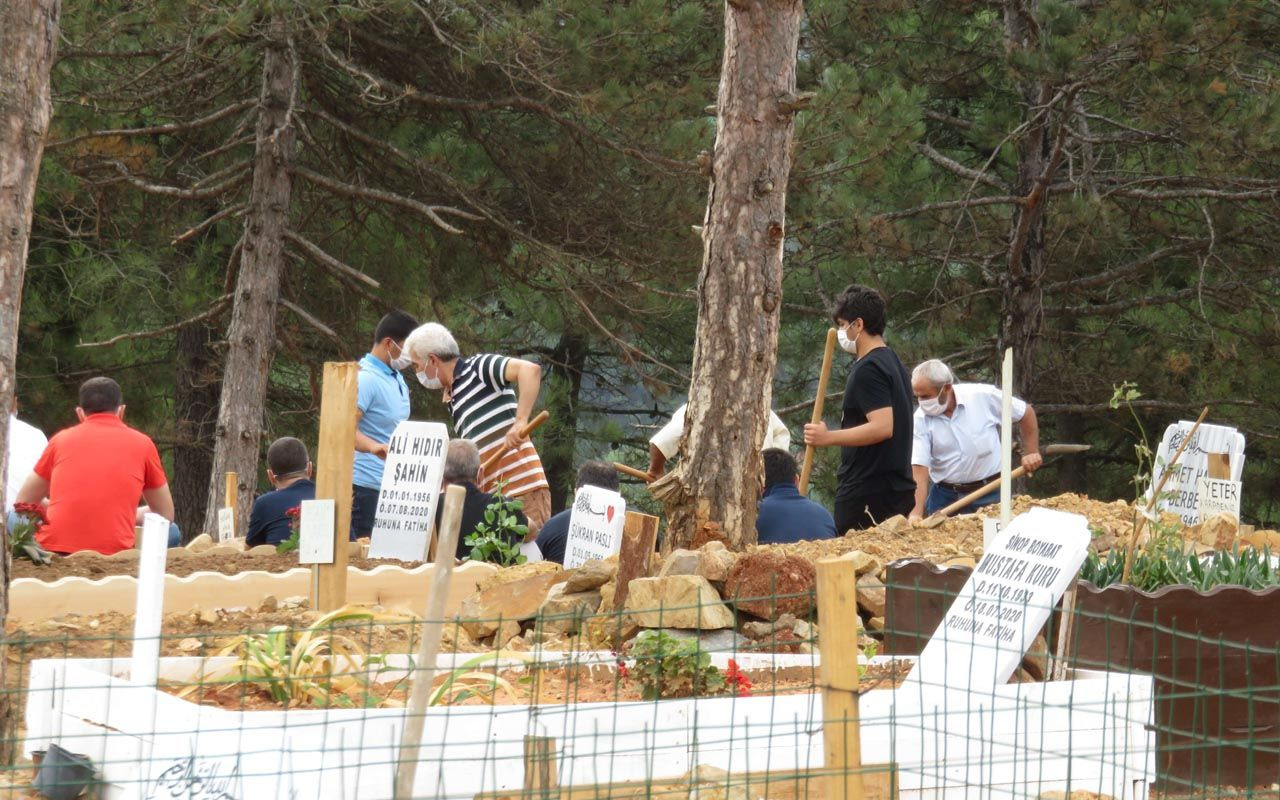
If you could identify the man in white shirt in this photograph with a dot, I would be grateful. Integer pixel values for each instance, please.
(955, 447)
(664, 444)
(26, 443)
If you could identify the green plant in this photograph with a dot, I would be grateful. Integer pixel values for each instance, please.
(466, 681)
(1125, 394)
(22, 537)
(1166, 563)
(665, 666)
(497, 538)
(291, 544)
(870, 648)
(315, 665)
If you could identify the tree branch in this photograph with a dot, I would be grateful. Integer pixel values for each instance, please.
(322, 258)
(154, 130)
(220, 305)
(312, 321)
(190, 233)
(350, 190)
(943, 205)
(178, 191)
(956, 168)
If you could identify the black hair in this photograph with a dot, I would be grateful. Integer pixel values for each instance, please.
(100, 395)
(287, 456)
(598, 473)
(861, 302)
(396, 325)
(779, 467)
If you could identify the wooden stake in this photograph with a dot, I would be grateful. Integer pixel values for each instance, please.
(424, 665)
(540, 767)
(1155, 495)
(1066, 632)
(838, 647)
(335, 455)
(632, 471)
(828, 351)
(529, 428)
(639, 532)
(231, 491)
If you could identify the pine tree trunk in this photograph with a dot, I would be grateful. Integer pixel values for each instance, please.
(740, 284)
(1023, 299)
(564, 386)
(251, 335)
(195, 408)
(28, 43)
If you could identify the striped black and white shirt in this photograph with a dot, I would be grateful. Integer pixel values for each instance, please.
(483, 406)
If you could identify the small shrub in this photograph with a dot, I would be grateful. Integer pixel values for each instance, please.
(497, 539)
(669, 667)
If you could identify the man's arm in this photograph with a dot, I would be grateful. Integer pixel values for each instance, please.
(34, 490)
(921, 474)
(160, 501)
(1029, 427)
(367, 444)
(877, 428)
(657, 463)
(527, 376)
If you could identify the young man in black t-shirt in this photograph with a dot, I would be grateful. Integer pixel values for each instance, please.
(875, 480)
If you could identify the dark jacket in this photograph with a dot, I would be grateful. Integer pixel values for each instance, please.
(786, 516)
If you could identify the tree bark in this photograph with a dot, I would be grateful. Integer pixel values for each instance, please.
(740, 284)
(1023, 298)
(564, 388)
(195, 406)
(28, 44)
(251, 335)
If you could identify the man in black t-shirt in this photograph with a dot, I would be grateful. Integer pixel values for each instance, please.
(875, 480)
(289, 470)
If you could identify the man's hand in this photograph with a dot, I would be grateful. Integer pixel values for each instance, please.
(1031, 462)
(379, 450)
(915, 516)
(816, 434)
(516, 435)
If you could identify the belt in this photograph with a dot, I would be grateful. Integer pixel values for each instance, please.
(966, 488)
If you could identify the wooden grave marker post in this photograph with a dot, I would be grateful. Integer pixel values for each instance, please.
(639, 533)
(838, 646)
(335, 456)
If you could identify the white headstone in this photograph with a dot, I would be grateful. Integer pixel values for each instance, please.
(226, 524)
(1218, 497)
(595, 526)
(410, 491)
(1180, 492)
(990, 530)
(1005, 602)
(149, 609)
(315, 531)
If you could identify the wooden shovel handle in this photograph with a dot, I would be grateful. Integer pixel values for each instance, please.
(818, 404)
(632, 471)
(935, 519)
(529, 428)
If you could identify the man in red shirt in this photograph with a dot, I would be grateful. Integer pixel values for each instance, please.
(94, 474)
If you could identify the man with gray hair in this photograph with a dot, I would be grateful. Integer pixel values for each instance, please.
(490, 398)
(461, 466)
(955, 447)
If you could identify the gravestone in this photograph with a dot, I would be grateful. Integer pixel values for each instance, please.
(410, 491)
(1215, 496)
(1181, 492)
(315, 531)
(1004, 604)
(595, 526)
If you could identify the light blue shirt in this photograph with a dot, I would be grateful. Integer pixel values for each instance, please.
(383, 400)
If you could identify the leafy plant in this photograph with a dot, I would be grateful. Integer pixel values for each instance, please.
(22, 537)
(1125, 394)
(466, 682)
(669, 667)
(1166, 563)
(869, 650)
(291, 544)
(315, 665)
(497, 538)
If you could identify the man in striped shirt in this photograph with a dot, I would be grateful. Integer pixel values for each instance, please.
(490, 398)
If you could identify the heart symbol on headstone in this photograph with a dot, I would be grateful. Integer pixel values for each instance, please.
(608, 513)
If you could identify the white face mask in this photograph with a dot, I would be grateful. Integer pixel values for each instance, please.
(846, 344)
(401, 361)
(430, 383)
(933, 406)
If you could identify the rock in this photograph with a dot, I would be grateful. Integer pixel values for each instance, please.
(764, 630)
(507, 630)
(875, 624)
(1219, 531)
(768, 584)
(960, 561)
(864, 563)
(895, 524)
(190, 645)
(295, 602)
(516, 600)
(725, 640)
(257, 550)
(207, 616)
(269, 604)
(591, 575)
(680, 562)
(1269, 540)
(871, 595)
(518, 573)
(677, 601)
(564, 611)
(201, 543)
(715, 562)
(709, 532)
(607, 593)
(454, 638)
(518, 644)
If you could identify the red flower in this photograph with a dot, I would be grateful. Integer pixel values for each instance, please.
(623, 672)
(295, 517)
(35, 511)
(737, 679)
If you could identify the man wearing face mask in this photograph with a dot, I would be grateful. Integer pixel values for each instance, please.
(956, 444)
(382, 403)
(490, 398)
(875, 480)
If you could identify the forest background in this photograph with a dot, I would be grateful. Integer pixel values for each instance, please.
(1093, 184)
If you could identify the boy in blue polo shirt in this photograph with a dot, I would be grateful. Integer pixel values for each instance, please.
(382, 403)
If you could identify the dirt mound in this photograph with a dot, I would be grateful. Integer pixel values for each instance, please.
(180, 563)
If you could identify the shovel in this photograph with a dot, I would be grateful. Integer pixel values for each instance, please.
(938, 517)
